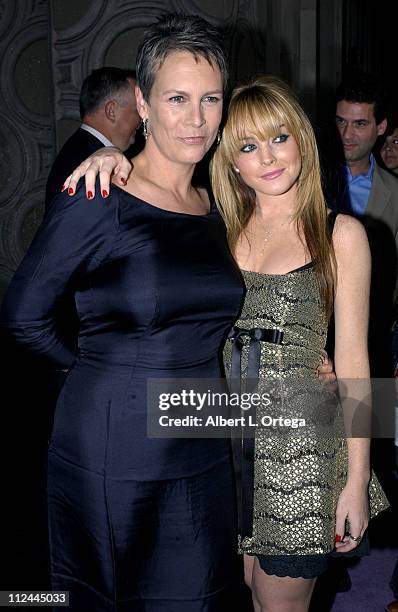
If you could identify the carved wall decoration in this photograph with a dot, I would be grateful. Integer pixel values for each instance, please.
(26, 126)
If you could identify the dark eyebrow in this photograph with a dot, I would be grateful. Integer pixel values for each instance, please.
(354, 120)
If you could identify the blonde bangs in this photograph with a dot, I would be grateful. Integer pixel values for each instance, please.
(252, 116)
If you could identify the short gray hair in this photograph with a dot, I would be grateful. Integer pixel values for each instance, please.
(175, 32)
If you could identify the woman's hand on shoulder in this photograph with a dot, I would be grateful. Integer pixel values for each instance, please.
(106, 162)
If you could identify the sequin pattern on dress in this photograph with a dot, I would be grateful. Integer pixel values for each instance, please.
(297, 479)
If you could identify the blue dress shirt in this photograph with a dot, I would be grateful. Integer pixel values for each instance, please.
(357, 189)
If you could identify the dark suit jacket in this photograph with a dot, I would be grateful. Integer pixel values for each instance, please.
(75, 150)
(383, 200)
(381, 223)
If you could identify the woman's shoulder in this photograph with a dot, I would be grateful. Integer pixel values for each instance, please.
(346, 224)
(348, 234)
(79, 208)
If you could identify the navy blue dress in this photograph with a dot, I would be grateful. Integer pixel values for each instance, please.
(135, 523)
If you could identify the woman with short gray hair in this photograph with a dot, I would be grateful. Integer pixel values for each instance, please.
(138, 523)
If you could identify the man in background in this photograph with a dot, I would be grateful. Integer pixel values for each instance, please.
(109, 118)
(371, 194)
(389, 150)
(360, 120)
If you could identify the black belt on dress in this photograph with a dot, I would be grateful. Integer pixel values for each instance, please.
(256, 335)
(243, 446)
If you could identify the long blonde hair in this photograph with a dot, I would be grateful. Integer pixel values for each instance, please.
(261, 107)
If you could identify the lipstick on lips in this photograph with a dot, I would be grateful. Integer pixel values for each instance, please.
(269, 176)
(193, 140)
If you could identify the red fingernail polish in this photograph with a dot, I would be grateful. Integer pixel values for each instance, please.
(90, 195)
(104, 193)
(71, 191)
(63, 188)
(124, 181)
(338, 538)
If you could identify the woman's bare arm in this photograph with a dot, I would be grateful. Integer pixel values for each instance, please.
(352, 366)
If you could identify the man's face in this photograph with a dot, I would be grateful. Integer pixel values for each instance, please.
(358, 130)
(127, 120)
(389, 151)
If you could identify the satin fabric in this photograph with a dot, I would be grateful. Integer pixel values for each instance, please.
(135, 523)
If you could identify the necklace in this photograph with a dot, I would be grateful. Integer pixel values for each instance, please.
(269, 232)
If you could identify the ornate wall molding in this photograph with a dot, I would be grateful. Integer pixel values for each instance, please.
(26, 126)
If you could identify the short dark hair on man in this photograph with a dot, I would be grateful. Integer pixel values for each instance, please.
(175, 32)
(392, 122)
(363, 88)
(101, 85)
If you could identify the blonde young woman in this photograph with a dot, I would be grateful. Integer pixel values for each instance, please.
(297, 268)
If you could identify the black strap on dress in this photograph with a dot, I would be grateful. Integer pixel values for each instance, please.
(242, 445)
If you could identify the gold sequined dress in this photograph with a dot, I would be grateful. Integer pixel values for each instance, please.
(296, 480)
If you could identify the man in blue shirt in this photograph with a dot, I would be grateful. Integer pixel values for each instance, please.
(360, 120)
(371, 194)
(358, 187)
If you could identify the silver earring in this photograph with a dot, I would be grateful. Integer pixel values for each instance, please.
(237, 170)
(145, 127)
(218, 137)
